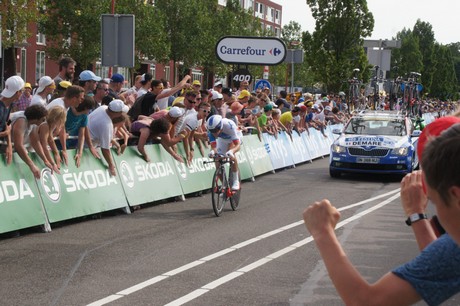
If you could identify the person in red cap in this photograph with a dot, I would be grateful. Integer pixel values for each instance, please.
(434, 275)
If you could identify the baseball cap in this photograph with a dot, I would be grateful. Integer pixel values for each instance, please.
(64, 84)
(236, 107)
(216, 95)
(244, 94)
(300, 100)
(176, 112)
(27, 85)
(310, 104)
(88, 75)
(12, 86)
(218, 83)
(227, 91)
(268, 107)
(196, 82)
(118, 106)
(302, 107)
(44, 82)
(117, 78)
(328, 108)
(315, 107)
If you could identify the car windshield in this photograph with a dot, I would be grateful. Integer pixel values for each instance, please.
(376, 126)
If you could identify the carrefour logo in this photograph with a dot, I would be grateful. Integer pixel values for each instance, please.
(50, 185)
(251, 50)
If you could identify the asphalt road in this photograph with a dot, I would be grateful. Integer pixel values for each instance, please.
(179, 252)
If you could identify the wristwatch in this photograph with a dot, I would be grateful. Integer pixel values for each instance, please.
(415, 217)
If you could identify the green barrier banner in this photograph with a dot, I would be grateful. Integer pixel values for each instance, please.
(20, 202)
(80, 191)
(243, 164)
(257, 154)
(195, 176)
(147, 182)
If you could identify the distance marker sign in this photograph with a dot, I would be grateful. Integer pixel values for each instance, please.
(251, 50)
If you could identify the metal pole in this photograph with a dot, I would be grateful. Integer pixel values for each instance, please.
(113, 13)
(292, 73)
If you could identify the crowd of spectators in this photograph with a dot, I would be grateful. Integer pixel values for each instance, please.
(86, 111)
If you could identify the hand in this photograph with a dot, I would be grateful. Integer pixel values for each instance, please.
(64, 156)
(94, 152)
(230, 154)
(211, 154)
(321, 217)
(35, 171)
(123, 147)
(112, 170)
(9, 154)
(413, 199)
(178, 158)
(77, 159)
(57, 158)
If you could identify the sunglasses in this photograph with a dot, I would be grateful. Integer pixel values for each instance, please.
(205, 111)
(104, 89)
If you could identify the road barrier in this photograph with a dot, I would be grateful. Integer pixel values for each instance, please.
(26, 202)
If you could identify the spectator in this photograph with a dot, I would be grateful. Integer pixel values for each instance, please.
(266, 120)
(100, 126)
(146, 81)
(244, 85)
(144, 129)
(46, 87)
(145, 104)
(218, 86)
(52, 126)
(10, 94)
(276, 114)
(281, 102)
(291, 119)
(76, 127)
(88, 81)
(25, 137)
(196, 85)
(163, 103)
(120, 133)
(24, 100)
(66, 70)
(244, 96)
(434, 275)
(60, 90)
(102, 90)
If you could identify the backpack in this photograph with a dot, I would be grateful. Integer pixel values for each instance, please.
(136, 109)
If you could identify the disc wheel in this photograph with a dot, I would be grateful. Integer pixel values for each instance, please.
(218, 192)
(235, 198)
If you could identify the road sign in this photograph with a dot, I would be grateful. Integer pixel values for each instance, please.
(117, 40)
(251, 50)
(263, 84)
(241, 75)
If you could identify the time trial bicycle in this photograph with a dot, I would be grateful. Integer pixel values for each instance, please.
(221, 190)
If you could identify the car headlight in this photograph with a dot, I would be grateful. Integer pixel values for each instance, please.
(338, 149)
(400, 151)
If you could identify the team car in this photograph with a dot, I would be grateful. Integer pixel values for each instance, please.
(375, 142)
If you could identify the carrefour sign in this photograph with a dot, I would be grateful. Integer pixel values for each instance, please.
(251, 50)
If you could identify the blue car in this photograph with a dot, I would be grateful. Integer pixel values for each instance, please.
(375, 142)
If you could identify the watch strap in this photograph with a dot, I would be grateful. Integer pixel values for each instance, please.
(415, 217)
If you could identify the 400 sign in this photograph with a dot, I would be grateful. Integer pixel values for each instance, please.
(241, 75)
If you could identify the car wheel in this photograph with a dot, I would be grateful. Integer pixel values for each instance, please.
(334, 173)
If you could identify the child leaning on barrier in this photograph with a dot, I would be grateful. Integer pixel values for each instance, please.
(434, 275)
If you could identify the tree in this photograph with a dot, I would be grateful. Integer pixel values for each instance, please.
(424, 32)
(455, 51)
(444, 74)
(335, 47)
(14, 28)
(408, 58)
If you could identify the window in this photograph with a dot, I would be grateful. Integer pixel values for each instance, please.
(196, 75)
(167, 73)
(39, 64)
(23, 63)
(277, 17)
(277, 32)
(41, 39)
(102, 71)
(270, 14)
(249, 4)
(153, 70)
(259, 11)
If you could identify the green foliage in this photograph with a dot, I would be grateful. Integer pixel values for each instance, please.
(424, 32)
(444, 78)
(334, 49)
(15, 17)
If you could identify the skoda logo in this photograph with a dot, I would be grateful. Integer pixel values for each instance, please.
(50, 185)
(127, 174)
(181, 169)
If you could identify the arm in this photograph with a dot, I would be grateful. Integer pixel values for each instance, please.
(144, 135)
(18, 138)
(43, 135)
(320, 220)
(108, 158)
(9, 147)
(171, 151)
(89, 143)
(414, 200)
(63, 140)
(81, 142)
(179, 86)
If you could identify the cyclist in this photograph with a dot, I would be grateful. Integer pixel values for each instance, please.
(225, 139)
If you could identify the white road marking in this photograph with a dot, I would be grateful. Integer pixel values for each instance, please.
(247, 268)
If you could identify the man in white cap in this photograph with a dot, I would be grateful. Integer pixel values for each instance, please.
(10, 94)
(101, 128)
(46, 87)
(88, 80)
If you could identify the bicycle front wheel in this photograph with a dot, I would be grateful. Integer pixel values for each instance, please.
(218, 191)
(235, 198)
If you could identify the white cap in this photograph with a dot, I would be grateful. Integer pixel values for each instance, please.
(12, 86)
(118, 106)
(216, 95)
(176, 112)
(328, 108)
(43, 83)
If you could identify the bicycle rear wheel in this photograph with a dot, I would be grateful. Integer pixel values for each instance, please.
(235, 198)
(218, 191)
